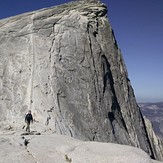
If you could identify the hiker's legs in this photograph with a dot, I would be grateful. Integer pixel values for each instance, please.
(28, 127)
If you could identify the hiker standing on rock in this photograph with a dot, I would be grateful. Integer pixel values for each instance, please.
(28, 119)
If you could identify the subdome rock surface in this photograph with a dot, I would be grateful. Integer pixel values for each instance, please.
(53, 148)
(64, 64)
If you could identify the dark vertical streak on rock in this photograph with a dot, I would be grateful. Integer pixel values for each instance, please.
(62, 118)
(148, 139)
(108, 81)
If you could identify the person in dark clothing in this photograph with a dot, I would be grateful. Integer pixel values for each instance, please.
(28, 120)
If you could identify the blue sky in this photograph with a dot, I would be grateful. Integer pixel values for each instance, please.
(138, 27)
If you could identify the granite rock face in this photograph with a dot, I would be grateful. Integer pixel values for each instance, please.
(156, 141)
(64, 64)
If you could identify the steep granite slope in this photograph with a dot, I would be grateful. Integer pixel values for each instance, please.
(156, 142)
(64, 64)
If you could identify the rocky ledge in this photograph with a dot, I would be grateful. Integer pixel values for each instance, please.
(53, 148)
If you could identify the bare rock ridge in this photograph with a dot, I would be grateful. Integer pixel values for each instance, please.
(64, 64)
(64, 149)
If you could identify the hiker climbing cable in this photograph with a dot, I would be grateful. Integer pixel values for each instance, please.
(28, 120)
